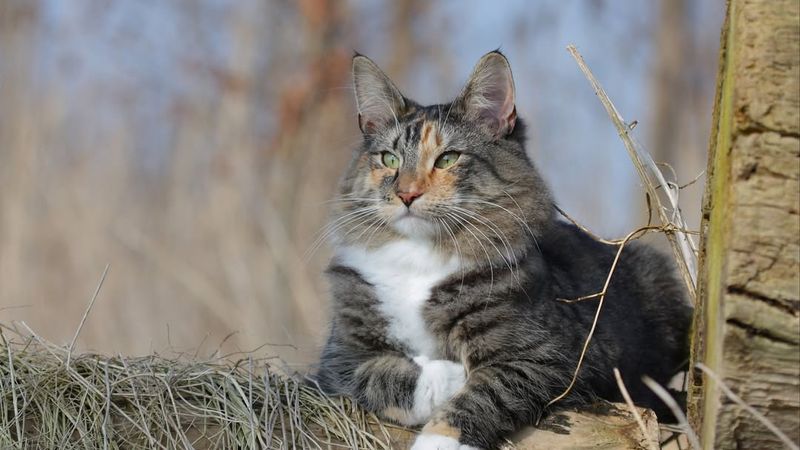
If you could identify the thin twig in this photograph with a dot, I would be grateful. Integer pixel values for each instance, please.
(581, 298)
(756, 413)
(596, 315)
(86, 314)
(583, 228)
(676, 410)
(649, 205)
(621, 242)
(697, 177)
(632, 407)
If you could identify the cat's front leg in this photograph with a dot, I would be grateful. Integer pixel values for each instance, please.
(438, 381)
(407, 391)
(496, 400)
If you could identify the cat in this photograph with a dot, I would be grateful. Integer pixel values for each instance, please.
(451, 267)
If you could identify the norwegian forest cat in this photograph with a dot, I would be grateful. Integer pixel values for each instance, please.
(451, 267)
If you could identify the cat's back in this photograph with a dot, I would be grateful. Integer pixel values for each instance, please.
(641, 269)
(646, 307)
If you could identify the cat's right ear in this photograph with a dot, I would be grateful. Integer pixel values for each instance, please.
(488, 97)
(378, 101)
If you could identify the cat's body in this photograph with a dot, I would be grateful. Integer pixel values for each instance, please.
(451, 270)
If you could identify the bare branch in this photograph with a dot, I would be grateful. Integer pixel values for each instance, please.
(631, 406)
(682, 244)
(676, 410)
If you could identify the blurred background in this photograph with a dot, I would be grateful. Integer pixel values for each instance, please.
(192, 145)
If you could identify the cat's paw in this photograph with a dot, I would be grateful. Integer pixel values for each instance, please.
(437, 383)
(439, 442)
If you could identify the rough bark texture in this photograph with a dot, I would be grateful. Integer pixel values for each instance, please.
(602, 426)
(605, 426)
(747, 327)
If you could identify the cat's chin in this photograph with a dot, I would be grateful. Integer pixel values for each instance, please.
(414, 226)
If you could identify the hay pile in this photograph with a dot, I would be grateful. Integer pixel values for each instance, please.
(51, 399)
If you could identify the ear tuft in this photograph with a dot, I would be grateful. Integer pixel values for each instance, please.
(378, 101)
(488, 97)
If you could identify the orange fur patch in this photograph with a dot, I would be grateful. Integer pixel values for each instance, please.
(429, 143)
(445, 183)
(426, 131)
(376, 176)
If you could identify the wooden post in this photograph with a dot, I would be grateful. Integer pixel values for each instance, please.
(747, 327)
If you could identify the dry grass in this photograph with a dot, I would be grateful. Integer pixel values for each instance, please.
(162, 402)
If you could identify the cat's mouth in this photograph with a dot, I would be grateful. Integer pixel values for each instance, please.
(407, 213)
(412, 224)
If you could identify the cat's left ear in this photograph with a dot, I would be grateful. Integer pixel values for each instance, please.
(488, 97)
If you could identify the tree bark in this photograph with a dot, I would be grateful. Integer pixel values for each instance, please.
(747, 325)
(600, 426)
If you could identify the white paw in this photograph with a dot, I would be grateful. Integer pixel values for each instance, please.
(437, 383)
(438, 442)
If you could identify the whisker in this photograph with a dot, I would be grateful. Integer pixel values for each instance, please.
(524, 219)
(458, 251)
(461, 221)
(511, 213)
(522, 222)
(351, 200)
(506, 258)
(503, 239)
(380, 225)
(335, 225)
(495, 229)
(370, 222)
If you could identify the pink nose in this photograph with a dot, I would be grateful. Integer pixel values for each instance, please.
(409, 197)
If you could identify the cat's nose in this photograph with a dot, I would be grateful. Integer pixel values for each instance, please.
(409, 197)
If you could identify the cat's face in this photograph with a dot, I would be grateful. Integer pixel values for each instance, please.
(456, 174)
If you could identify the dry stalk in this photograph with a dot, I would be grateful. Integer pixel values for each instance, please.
(632, 407)
(86, 313)
(676, 410)
(682, 244)
(585, 229)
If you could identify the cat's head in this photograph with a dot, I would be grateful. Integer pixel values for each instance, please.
(456, 174)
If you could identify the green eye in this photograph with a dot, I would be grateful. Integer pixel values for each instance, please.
(446, 160)
(390, 161)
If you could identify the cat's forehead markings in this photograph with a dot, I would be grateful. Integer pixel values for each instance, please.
(426, 132)
(430, 140)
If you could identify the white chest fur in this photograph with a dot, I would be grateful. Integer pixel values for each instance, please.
(403, 273)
